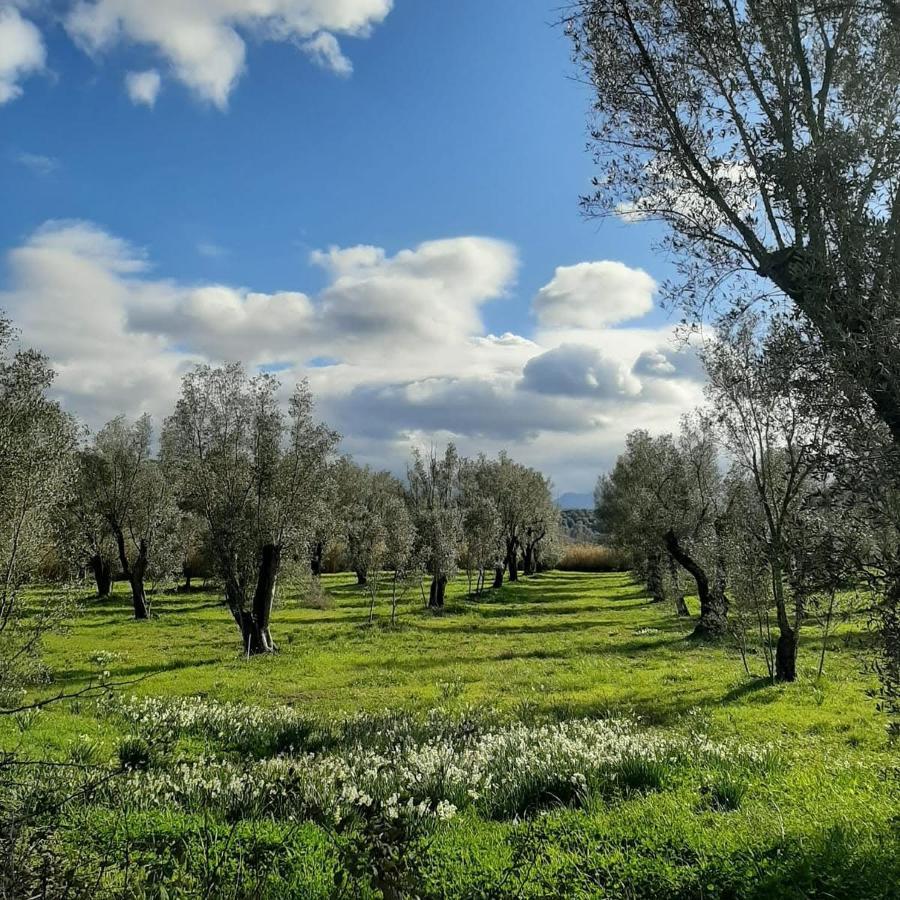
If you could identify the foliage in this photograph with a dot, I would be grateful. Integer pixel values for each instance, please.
(253, 475)
(36, 445)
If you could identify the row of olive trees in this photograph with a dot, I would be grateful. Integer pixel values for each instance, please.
(747, 501)
(251, 485)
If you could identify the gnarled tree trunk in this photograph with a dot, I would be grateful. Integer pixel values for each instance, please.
(315, 561)
(528, 560)
(655, 578)
(136, 579)
(788, 637)
(680, 606)
(102, 572)
(436, 592)
(713, 622)
(498, 576)
(786, 655)
(512, 548)
(362, 577)
(254, 622)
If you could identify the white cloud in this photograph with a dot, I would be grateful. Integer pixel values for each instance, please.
(409, 359)
(325, 51)
(143, 87)
(593, 295)
(203, 41)
(37, 163)
(72, 286)
(22, 52)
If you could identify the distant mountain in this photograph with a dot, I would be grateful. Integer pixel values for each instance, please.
(575, 501)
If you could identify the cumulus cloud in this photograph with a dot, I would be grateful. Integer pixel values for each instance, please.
(71, 290)
(593, 295)
(224, 323)
(670, 362)
(203, 41)
(143, 87)
(579, 370)
(394, 347)
(22, 52)
(430, 293)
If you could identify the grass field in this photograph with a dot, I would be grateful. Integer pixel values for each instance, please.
(818, 816)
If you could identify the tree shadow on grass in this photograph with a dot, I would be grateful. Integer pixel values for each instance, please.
(68, 676)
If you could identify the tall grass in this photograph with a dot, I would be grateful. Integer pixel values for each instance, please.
(591, 558)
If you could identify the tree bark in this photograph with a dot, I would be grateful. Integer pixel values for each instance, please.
(254, 622)
(681, 608)
(498, 577)
(315, 562)
(713, 622)
(102, 571)
(362, 577)
(528, 560)
(511, 560)
(654, 578)
(436, 592)
(786, 655)
(136, 580)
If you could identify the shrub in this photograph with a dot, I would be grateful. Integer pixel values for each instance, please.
(591, 558)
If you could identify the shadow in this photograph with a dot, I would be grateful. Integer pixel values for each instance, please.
(85, 674)
(747, 688)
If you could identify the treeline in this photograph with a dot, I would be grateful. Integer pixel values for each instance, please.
(248, 489)
(580, 526)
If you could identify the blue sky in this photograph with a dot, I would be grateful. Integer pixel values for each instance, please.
(458, 121)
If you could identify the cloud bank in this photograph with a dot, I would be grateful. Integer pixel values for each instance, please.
(394, 345)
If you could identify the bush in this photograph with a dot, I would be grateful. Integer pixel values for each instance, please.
(591, 558)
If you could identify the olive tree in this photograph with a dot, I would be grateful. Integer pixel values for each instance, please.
(766, 135)
(124, 488)
(360, 495)
(253, 473)
(433, 496)
(664, 505)
(775, 415)
(37, 442)
(400, 551)
(541, 521)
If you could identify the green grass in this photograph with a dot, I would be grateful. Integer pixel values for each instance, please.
(561, 644)
(554, 647)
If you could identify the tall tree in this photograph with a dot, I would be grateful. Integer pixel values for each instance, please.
(767, 136)
(253, 474)
(433, 494)
(663, 502)
(125, 488)
(775, 415)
